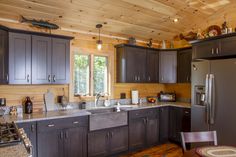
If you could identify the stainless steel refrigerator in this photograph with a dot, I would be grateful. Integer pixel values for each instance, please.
(214, 98)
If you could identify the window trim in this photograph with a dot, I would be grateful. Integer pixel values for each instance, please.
(91, 62)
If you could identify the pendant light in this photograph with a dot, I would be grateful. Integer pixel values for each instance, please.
(99, 41)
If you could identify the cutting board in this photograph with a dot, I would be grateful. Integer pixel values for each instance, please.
(49, 101)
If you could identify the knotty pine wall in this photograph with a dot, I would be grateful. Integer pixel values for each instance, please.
(15, 94)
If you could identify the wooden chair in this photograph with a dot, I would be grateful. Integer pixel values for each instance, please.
(194, 137)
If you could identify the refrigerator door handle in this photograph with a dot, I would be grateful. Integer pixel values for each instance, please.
(212, 98)
(206, 102)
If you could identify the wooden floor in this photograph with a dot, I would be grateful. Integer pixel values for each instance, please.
(165, 150)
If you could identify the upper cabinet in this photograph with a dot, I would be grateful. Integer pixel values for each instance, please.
(34, 58)
(184, 58)
(19, 58)
(168, 67)
(135, 64)
(216, 47)
(3, 57)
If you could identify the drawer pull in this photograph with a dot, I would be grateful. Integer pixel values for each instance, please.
(186, 112)
(75, 122)
(51, 125)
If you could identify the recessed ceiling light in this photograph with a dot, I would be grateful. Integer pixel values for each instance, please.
(176, 20)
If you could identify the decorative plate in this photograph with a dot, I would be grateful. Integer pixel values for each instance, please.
(216, 151)
(213, 30)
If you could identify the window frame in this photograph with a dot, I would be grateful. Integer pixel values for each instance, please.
(91, 71)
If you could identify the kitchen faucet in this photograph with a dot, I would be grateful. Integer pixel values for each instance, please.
(97, 96)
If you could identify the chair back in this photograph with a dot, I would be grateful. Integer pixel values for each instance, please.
(194, 137)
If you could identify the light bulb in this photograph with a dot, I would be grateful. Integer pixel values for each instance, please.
(99, 44)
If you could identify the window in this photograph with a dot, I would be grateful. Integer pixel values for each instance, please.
(90, 74)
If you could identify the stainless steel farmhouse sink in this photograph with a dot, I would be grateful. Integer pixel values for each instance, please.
(106, 118)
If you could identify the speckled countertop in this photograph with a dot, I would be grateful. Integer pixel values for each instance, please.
(14, 151)
(76, 112)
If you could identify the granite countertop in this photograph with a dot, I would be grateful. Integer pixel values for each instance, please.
(14, 151)
(76, 112)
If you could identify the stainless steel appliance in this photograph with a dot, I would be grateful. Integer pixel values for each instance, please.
(167, 97)
(214, 99)
(10, 135)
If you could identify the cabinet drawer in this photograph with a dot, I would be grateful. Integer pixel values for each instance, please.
(142, 113)
(48, 125)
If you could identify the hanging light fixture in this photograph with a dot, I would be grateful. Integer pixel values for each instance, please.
(99, 41)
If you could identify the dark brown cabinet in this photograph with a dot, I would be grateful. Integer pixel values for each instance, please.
(184, 59)
(50, 60)
(19, 58)
(108, 142)
(152, 75)
(41, 60)
(179, 120)
(168, 66)
(131, 64)
(164, 124)
(60, 61)
(143, 128)
(215, 48)
(62, 137)
(3, 57)
(31, 132)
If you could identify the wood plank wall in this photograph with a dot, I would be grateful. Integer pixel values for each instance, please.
(86, 43)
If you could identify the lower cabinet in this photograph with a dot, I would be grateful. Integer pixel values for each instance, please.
(107, 142)
(31, 132)
(164, 124)
(143, 128)
(62, 137)
(179, 120)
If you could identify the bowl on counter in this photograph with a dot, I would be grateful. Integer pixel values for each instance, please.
(151, 99)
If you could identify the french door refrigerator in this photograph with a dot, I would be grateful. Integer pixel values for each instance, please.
(214, 98)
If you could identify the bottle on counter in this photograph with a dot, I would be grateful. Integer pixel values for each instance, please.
(28, 106)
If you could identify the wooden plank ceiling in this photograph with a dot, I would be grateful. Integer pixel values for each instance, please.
(142, 19)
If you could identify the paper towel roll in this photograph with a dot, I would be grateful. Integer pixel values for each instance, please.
(134, 95)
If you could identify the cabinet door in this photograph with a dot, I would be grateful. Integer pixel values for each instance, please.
(98, 143)
(204, 50)
(172, 123)
(75, 142)
(137, 133)
(184, 66)
(60, 61)
(152, 66)
(164, 124)
(19, 58)
(168, 67)
(50, 143)
(227, 46)
(118, 141)
(31, 132)
(152, 130)
(136, 64)
(3, 57)
(41, 60)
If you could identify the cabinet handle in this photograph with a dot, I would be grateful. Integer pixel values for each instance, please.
(186, 112)
(61, 135)
(32, 128)
(162, 79)
(149, 78)
(51, 125)
(135, 78)
(217, 50)
(107, 135)
(49, 78)
(144, 120)
(66, 134)
(54, 78)
(111, 134)
(75, 122)
(212, 51)
(28, 78)
(138, 78)
(7, 77)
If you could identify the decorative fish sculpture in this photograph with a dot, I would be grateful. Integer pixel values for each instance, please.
(39, 23)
